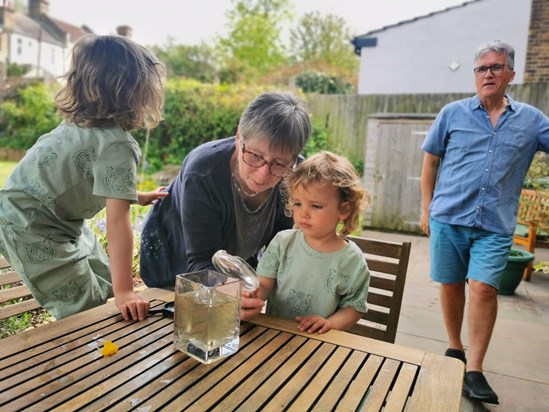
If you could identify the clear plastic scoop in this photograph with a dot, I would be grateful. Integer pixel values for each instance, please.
(236, 267)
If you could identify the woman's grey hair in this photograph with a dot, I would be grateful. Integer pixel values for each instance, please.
(497, 46)
(280, 117)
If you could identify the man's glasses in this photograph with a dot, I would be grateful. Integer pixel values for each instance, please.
(494, 68)
(254, 160)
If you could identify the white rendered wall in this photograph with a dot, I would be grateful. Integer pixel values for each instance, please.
(26, 50)
(415, 57)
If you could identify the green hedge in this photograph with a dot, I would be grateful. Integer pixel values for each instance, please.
(27, 116)
(194, 113)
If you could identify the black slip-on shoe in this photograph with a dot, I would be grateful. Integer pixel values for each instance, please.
(476, 387)
(456, 353)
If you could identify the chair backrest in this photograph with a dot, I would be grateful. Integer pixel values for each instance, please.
(533, 207)
(388, 265)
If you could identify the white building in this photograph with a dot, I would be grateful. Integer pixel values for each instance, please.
(36, 40)
(434, 53)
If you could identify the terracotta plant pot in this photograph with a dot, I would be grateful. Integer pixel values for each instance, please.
(512, 274)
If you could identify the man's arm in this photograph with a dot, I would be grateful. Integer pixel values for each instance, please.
(428, 180)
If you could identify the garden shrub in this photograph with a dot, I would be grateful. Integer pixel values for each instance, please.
(26, 117)
(195, 113)
(316, 82)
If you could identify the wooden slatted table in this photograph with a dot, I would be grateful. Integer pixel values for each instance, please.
(59, 367)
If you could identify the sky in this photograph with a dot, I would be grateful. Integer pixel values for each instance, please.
(192, 21)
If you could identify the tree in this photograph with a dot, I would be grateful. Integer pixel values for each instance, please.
(318, 38)
(195, 62)
(254, 42)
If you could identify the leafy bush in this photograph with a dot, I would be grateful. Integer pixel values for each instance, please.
(318, 140)
(195, 113)
(314, 82)
(28, 116)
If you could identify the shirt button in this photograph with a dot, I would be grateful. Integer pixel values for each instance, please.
(478, 207)
(481, 188)
(486, 170)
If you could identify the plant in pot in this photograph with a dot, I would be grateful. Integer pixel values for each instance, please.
(512, 274)
(533, 211)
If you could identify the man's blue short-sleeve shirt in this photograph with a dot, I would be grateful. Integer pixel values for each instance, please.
(483, 167)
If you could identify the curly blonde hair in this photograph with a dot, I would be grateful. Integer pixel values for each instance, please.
(327, 167)
(112, 80)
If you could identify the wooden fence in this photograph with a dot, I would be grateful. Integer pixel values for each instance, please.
(346, 116)
(391, 148)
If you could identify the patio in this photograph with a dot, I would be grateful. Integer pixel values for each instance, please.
(517, 363)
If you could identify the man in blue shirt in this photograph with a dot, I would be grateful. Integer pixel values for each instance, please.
(477, 154)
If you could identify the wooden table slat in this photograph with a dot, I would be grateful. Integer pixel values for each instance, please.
(211, 388)
(86, 368)
(58, 367)
(264, 371)
(286, 395)
(342, 380)
(380, 389)
(321, 381)
(34, 367)
(352, 398)
(185, 382)
(277, 380)
(375, 347)
(401, 389)
(437, 395)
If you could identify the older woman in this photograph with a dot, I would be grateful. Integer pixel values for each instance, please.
(226, 195)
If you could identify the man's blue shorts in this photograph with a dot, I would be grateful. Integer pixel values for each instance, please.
(459, 253)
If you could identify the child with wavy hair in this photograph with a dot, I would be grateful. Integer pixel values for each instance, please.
(87, 163)
(312, 273)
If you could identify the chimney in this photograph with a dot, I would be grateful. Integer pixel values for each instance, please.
(537, 54)
(125, 31)
(37, 8)
(6, 18)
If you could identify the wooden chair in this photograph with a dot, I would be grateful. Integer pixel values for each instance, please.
(15, 299)
(533, 205)
(388, 264)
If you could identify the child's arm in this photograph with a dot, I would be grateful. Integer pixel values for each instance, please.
(265, 286)
(120, 246)
(342, 319)
(252, 302)
(146, 198)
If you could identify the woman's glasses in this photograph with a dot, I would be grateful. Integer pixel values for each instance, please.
(255, 160)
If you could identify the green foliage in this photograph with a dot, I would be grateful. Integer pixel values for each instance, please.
(318, 140)
(15, 324)
(195, 113)
(195, 62)
(254, 39)
(18, 70)
(28, 116)
(6, 167)
(313, 82)
(538, 173)
(324, 38)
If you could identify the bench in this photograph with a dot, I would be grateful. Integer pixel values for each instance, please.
(533, 209)
(15, 297)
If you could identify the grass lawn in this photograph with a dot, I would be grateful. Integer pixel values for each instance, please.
(6, 166)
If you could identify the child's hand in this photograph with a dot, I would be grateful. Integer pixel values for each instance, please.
(132, 306)
(250, 306)
(147, 198)
(313, 323)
